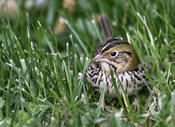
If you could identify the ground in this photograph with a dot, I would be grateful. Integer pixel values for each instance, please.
(46, 48)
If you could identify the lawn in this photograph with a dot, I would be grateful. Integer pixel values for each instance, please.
(45, 50)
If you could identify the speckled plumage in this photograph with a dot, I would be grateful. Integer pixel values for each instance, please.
(132, 81)
(120, 57)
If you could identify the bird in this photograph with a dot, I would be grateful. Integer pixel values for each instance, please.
(118, 56)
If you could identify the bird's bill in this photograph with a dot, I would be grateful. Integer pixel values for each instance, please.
(98, 57)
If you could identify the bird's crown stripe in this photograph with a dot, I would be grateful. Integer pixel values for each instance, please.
(113, 44)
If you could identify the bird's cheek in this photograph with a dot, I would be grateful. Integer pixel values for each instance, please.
(117, 60)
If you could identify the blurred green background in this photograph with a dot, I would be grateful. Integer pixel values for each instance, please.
(46, 46)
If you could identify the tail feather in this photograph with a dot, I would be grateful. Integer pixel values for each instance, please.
(107, 32)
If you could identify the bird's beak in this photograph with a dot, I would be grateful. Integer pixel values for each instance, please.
(97, 57)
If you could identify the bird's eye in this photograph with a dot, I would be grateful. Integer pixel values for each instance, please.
(114, 53)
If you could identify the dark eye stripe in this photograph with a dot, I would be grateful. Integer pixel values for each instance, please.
(129, 53)
(113, 45)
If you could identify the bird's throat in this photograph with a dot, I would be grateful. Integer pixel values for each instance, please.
(105, 66)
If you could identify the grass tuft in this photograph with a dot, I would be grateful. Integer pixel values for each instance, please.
(42, 72)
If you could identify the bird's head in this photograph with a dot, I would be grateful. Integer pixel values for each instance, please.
(118, 54)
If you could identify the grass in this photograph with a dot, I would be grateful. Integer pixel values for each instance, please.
(42, 75)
